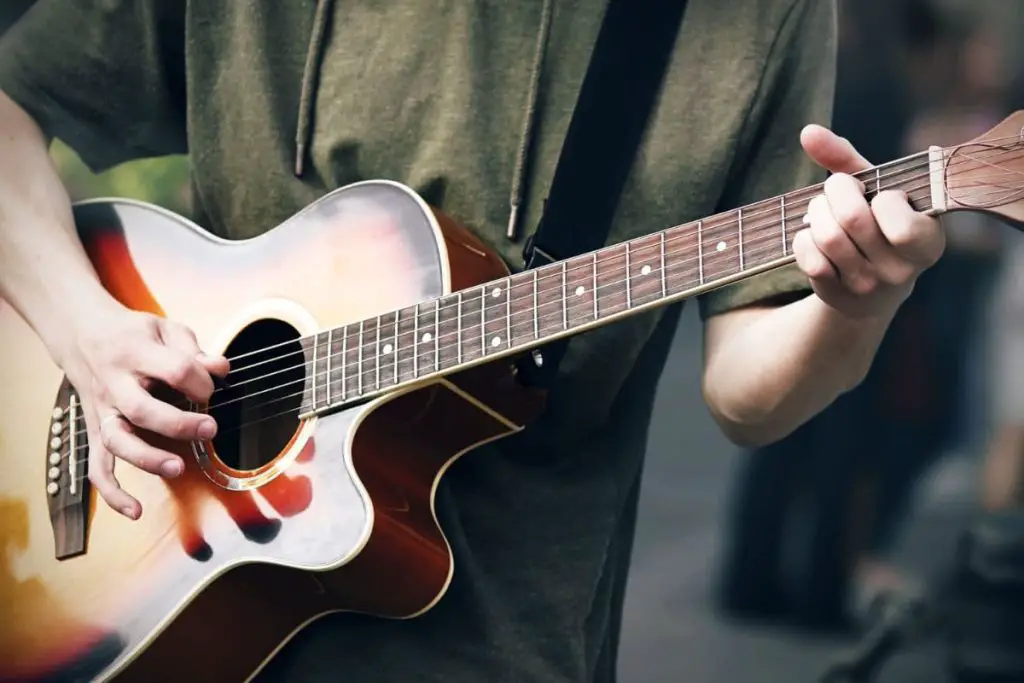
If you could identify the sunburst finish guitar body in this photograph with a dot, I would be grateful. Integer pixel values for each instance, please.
(372, 342)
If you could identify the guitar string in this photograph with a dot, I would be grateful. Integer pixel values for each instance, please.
(514, 280)
(376, 391)
(874, 171)
(378, 356)
(687, 224)
(403, 377)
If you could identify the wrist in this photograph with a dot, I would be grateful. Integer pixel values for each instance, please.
(67, 316)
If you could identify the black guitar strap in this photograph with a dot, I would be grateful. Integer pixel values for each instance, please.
(615, 102)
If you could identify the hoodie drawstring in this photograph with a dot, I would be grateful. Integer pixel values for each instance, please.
(311, 73)
(529, 122)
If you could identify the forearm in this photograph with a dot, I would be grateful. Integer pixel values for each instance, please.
(44, 271)
(769, 370)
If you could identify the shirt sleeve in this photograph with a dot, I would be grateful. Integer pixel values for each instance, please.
(104, 76)
(797, 88)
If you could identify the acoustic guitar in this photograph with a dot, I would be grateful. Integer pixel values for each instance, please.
(373, 341)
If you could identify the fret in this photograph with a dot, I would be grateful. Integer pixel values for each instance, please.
(470, 324)
(578, 302)
(336, 355)
(565, 298)
(700, 250)
(522, 309)
(629, 303)
(312, 376)
(739, 218)
(416, 341)
(508, 311)
(359, 366)
(496, 324)
(394, 345)
(878, 180)
(612, 279)
(447, 325)
(458, 332)
(661, 264)
(330, 337)
(323, 392)
(646, 282)
(405, 344)
(437, 335)
(377, 357)
(344, 363)
(428, 347)
(536, 307)
(782, 208)
(386, 350)
(762, 232)
(483, 322)
(307, 353)
(683, 262)
(596, 291)
(550, 310)
(719, 247)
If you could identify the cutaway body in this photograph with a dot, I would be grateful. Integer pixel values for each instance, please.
(280, 519)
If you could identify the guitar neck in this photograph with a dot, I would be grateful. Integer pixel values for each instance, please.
(529, 309)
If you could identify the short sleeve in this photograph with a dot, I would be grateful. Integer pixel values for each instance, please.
(104, 76)
(797, 88)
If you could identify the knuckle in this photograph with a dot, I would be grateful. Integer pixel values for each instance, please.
(179, 372)
(133, 408)
(863, 285)
(830, 237)
(102, 481)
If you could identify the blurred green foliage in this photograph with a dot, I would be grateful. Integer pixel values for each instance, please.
(162, 181)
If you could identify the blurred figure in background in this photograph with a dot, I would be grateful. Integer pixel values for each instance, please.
(815, 516)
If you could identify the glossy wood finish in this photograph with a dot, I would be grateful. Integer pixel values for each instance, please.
(209, 582)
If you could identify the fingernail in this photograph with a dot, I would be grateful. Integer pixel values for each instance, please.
(128, 512)
(171, 468)
(207, 429)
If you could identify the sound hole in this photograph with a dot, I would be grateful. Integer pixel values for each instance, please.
(257, 414)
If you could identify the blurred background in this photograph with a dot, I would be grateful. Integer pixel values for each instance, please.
(757, 566)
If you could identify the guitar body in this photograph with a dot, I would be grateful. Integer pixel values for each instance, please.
(282, 519)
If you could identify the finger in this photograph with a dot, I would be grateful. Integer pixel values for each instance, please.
(179, 370)
(101, 469)
(914, 236)
(183, 338)
(123, 443)
(810, 259)
(852, 212)
(144, 411)
(831, 151)
(832, 241)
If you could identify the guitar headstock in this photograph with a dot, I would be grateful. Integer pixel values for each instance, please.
(987, 173)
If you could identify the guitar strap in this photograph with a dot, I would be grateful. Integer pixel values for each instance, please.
(623, 79)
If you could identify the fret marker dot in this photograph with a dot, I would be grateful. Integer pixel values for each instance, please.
(496, 341)
(580, 290)
(427, 337)
(721, 246)
(496, 292)
(646, 270)
(387, 348)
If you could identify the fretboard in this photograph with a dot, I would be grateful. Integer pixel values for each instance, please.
(531, 308)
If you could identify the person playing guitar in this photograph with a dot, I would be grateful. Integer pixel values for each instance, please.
(279, 104)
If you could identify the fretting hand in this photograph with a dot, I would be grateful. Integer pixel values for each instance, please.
(862, 259)
(113, 363)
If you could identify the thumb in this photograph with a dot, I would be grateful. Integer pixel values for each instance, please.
(830, 151)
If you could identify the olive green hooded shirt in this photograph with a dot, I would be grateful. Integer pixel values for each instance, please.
(277, 102)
